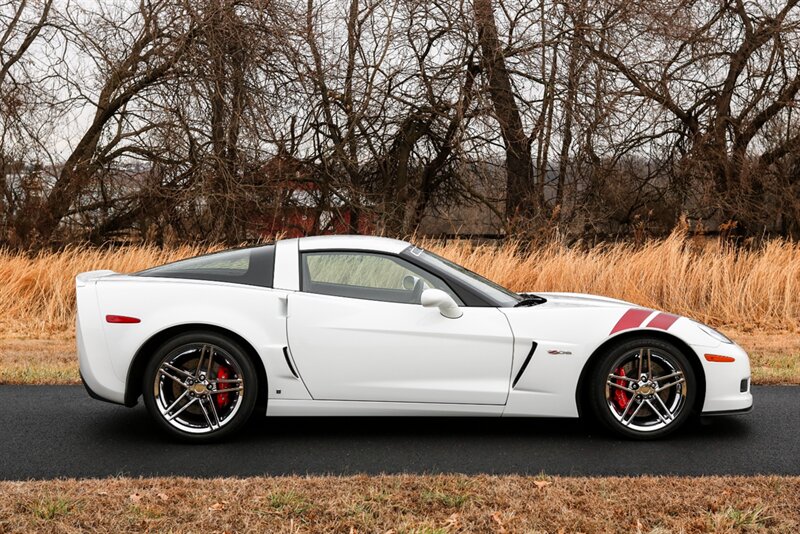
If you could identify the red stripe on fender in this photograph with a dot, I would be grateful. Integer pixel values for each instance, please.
(122, 319)
(662, 321)
(631, 319)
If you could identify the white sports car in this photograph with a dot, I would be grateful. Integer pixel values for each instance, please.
(353, 325)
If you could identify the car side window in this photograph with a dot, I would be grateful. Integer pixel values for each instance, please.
(250, 266)
(366, 275)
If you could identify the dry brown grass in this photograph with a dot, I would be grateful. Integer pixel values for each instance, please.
(38, 293)
(754, 295)
(747, 290)
(709, 281)
(404, 504)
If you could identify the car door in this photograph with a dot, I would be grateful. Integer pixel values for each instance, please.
(357, 332)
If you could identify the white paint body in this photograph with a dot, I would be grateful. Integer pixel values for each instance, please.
(363, 357)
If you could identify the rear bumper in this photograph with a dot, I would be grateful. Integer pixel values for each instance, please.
(94, 395)
(95, 367)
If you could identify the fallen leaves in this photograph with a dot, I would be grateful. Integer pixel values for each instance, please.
(137, 496)
(453, 522)
(498, 518)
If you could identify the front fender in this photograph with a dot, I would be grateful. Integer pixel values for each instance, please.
(568, 337)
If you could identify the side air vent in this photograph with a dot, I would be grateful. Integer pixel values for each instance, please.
(524, 365)
(289, 362)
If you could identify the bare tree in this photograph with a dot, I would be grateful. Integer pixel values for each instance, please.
(520, 198)
(724, 71)
(133, 59)
(22, 24)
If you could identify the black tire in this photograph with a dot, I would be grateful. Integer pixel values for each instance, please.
(616, 408)
(190, 425)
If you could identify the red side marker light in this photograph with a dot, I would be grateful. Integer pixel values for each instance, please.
(718, 358)
(122, 319)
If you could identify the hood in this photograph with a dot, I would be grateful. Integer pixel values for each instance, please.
(583, 300)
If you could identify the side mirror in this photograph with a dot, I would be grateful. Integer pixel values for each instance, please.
(436, 298)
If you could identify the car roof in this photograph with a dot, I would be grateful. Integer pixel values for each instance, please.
(353, 242)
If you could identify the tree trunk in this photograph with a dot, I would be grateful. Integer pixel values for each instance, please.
(520, 200)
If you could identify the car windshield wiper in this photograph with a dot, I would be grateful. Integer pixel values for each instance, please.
(529, 299)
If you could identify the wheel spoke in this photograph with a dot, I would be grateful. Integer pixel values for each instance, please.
(226, 381)
(226, 390)
(649, 365)
(176, 414)
(171, 377)
(210, 363)
(175, 403)
(203, 351)
(205, 413)
(178, 370)
(671, 384)
(653, 409)
(617, 377)
(671, 375)
(214, 411)
(641, 355)
(666, 410)
(628, 407)
(618, 386)
(633, 415)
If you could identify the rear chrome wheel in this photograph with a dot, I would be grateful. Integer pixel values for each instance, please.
(200, 386)
(644, 389)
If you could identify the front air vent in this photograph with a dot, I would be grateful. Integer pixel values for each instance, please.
(524, 365)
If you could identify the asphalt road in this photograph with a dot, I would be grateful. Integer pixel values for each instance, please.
(58, 431)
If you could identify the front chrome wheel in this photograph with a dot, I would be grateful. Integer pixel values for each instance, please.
(643, 389)
(200, 385)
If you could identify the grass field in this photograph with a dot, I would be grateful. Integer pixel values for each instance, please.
(405, 504)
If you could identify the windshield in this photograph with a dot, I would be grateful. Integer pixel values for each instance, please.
(494, 291)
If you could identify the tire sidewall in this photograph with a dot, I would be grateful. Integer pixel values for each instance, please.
(235, 351)
(602, 369)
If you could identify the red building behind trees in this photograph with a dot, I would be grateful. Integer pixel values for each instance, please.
(301, 207)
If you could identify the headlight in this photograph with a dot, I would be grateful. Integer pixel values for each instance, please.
(719, 336)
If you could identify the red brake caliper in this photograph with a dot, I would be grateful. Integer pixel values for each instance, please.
(621, 398)
(223, 373)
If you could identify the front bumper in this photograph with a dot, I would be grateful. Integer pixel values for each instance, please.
(727, 383)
